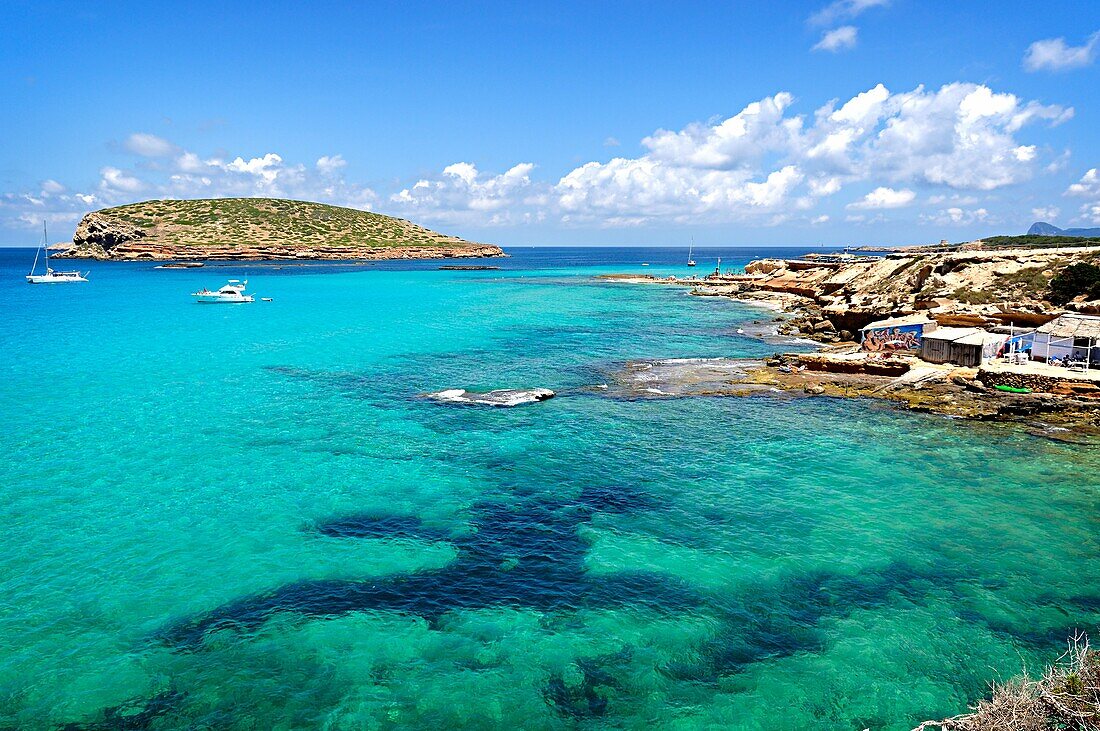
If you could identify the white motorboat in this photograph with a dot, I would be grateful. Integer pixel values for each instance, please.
(231, 293)
(51, 276)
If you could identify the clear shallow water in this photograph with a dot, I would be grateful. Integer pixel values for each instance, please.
(244, 517)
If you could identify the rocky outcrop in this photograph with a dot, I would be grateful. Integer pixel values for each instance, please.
(827, 364)
(504, 397)
(98, 235)
(833, 296)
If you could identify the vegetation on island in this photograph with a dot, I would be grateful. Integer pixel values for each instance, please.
(258, 228)
(1033, 241)
(260, 221)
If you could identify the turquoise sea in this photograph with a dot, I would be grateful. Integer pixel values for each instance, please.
(246, 517)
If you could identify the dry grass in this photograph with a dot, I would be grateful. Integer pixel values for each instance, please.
(1067, 697)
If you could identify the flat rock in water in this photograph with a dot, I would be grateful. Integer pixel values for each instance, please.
(501, 397)
(682, 377)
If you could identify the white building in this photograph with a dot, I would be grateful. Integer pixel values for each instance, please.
(1071, 336)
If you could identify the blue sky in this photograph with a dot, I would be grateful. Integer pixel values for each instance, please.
(857, 121)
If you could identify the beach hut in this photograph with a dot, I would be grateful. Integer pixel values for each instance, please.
(964, 346)
(1071, 337)
(936, 347)
(897, 333)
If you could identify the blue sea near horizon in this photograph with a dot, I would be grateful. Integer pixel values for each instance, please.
(246, 517)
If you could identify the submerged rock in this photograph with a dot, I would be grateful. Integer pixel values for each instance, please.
(503, 397)
(674, 377)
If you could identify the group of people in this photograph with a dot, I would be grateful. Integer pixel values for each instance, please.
(1068, 361)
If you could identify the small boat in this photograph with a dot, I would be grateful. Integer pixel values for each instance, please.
(231, 293)
(691, 249)
(51, 277)
(266, 299)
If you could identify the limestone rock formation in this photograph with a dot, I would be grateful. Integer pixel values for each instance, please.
(97, 236)
(965, 288)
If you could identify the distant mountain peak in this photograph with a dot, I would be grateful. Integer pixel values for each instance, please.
(1042, 228)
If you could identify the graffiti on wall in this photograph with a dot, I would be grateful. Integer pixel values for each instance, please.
(900, 337)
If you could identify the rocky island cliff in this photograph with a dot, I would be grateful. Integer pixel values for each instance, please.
(258, 228)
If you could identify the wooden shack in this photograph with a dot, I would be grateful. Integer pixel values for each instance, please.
(964, 346)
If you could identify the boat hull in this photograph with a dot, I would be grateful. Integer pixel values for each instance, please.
(231, 294)
(217, 299)
(53, 279)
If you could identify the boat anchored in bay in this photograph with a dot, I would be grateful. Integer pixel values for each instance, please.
(232, 293)
(51, 277)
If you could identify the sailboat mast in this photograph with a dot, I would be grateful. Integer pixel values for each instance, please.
(45, 246)
(35, 265)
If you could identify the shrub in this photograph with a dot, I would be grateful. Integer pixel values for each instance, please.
(1066, 697)
(974, 296)
(1074, 280)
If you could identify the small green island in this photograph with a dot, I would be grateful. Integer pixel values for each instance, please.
(256, 229)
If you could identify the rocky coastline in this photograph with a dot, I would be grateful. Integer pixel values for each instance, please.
(828, 298)
(1067, 414)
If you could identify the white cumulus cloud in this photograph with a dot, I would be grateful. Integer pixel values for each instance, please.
(757, 129)
(148, 145)
(884, 198)
(464, 194)
(328, 164)
(1054, 54)
(763, 163)
(838, 39)
(840, 9)
(956, 216)
(114, 181)
(1088, 187)
(185, 174)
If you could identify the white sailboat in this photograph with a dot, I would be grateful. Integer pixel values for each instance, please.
(691, 249)
(51, 277)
